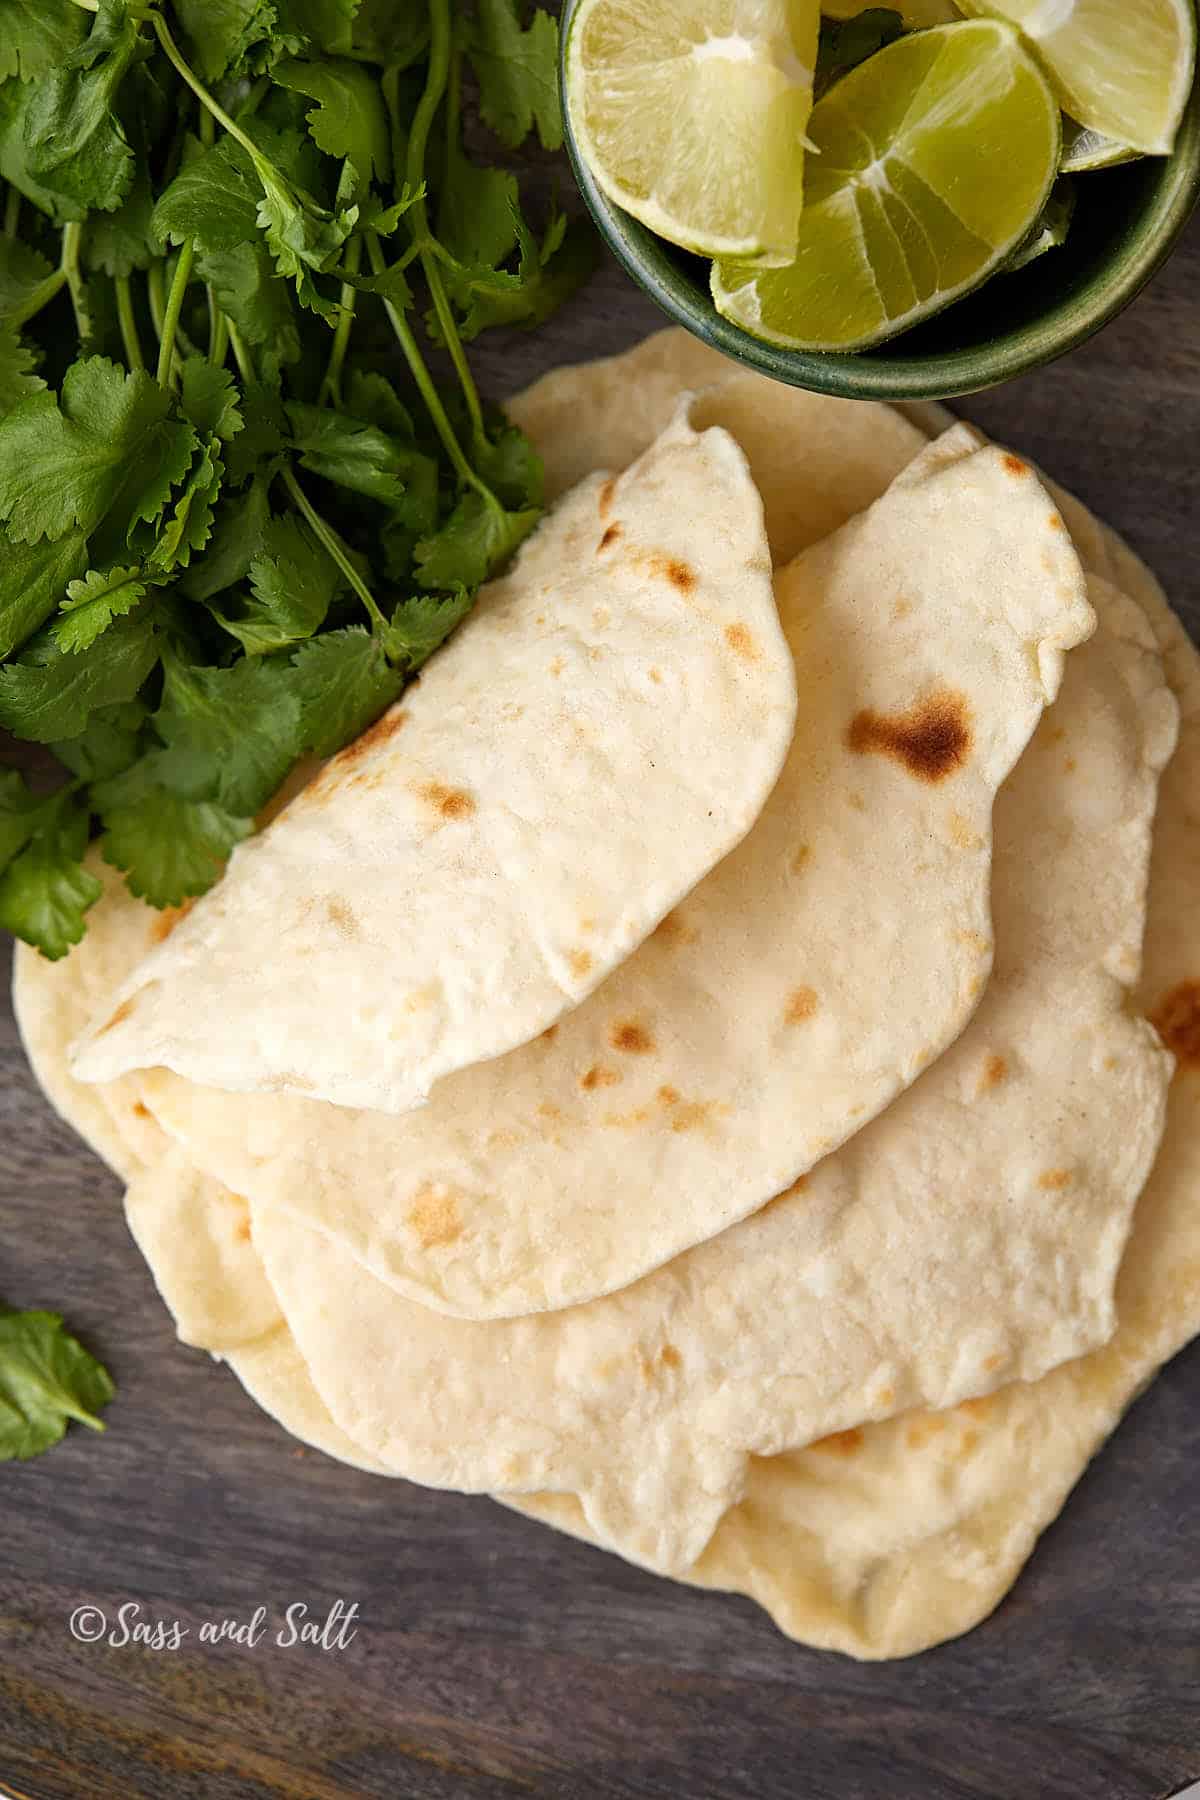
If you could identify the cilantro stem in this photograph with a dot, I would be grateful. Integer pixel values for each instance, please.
(12, 211)
(218, 332)
(420, 374)
(331, 387)
(179, 285)
(72, 241)
(240, 354)
(175, 58)
(128, 323)
(436, 82)
(333, 546)
(156, 296)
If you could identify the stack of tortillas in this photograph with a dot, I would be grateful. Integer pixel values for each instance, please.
(716, 1065)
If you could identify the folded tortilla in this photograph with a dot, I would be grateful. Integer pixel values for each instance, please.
(789, 999)
(602, 731)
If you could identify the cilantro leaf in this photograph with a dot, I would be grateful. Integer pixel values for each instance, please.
(16, 100)
(37, 35)
(120, 241)
(111, 742)
(325, 24)
(234, 733)
(19, 810)
(547, 275)
(47, 694)
(23, 270)
(222, 33)
(213, 200)
(476, 211)
(113, 444)
(302, 236)
(210, 399)
(517, 71)
(243, 281)
(418, 626)
(74, 138)
(93, 603)
(476, 540)
(33, 579)
(46, 1379)
(44, 894)
(344, 681)
(293, 583)
(351, 453)
(239, 534)
(385, 33)
(188, 524)
(170, 848)
(348, 121)
(18, 379)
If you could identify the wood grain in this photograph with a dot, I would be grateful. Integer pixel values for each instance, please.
(491, 1657)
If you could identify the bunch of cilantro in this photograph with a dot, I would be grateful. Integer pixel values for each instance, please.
(236, 511)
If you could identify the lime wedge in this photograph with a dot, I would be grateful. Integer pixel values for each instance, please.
(691, 115)
(1122, 68)
(915, 13)
(935, 158)
(1084, 149)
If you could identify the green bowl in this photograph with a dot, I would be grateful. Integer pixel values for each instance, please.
(1127, 221)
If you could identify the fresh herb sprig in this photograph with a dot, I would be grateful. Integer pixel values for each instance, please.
(47, 1378)
(237, 512)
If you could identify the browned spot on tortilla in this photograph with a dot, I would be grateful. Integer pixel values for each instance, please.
(962, 836)
(611, 534)
(448, 802)
(624, 1121)
(242, 1232)
(549, 1111)
(166, 922)
(930, 740)
(977, 1409)
(557, 666)
(1055, 522)
(656, 677)
(974, 940)
(341, 916)
(632, 1038)
(434, 1216)
(1015, 465)
(670, 1357)
(1070, 765)
(119, 1017)
(968, 1441)
(992, 1363)
(901, 610)
(669, 1096)
(580, 961)
(886, 1396)
(606, 496)
(738, 637)
(674, 929)
(1111, 1063)
(140, 1111)
(995, 1070)
(1052, 1181)
(921, 1429)
(598, 1076)
(688, 1115)
(550, 1033)
(1176, 1019)
(802, 1004)
(857, 802)
(800, 857)
(672, 569)
(376, 734)
(840, 1443)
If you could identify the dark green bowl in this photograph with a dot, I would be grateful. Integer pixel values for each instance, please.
(1127, 221)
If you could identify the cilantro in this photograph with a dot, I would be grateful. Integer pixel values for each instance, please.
(517, 71)
(229, 532)
(45, 891)
(46, 1379)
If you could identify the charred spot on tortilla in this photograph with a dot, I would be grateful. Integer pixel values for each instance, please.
(802, 1004)
(605, 498)
(740, 641)
(581, 962)
(242, 1230)
(840, 1443)
(598, 1076)
(1176, 1019)
(166, 922)
(673, 569)
(375, 735)
(611, 534)
(1053, 1181)
(141, 1111)
(434, 1216)
(931, 740)
(448, 802)
(995, 1070)
(123, 1012)
(1055, 522)
(632, 1038)
(1016, 465)
(341, 917)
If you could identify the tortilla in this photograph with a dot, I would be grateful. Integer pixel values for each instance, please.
(743, 1042)
(969, 1236)
(816, 460)
(603, 731)
(886, 1541)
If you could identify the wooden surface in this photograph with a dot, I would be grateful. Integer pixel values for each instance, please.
(491, 1657)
